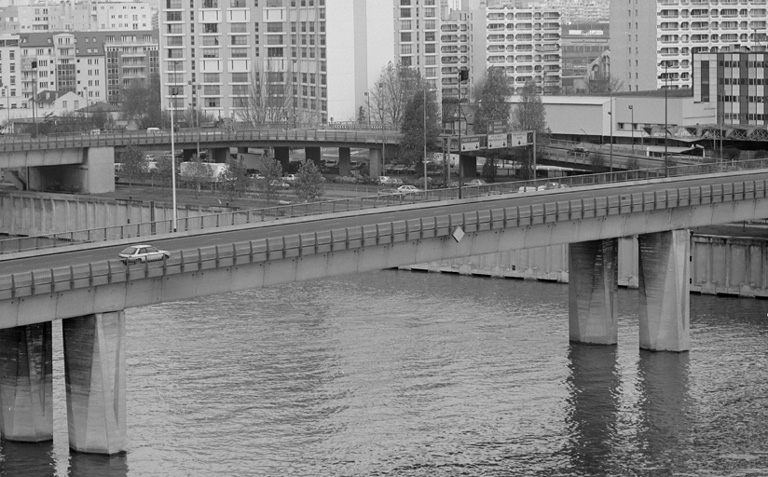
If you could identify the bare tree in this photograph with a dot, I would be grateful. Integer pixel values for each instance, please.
(270, 95)
(396, 86)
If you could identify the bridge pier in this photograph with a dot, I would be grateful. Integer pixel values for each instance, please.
(283, 156)
(94, 354)
(26, 383)
(374, 162)
(592, 286)
(665, 291)
(344, 160)
(314, 154)
(93, 172)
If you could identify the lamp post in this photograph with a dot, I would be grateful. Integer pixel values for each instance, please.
(666, 126)
(368, 99)
(610, 145)
(632, 126)
(463, 77)
(7, 94)
(196, 105)
(424, 158)
(173, 152)
(34, 95)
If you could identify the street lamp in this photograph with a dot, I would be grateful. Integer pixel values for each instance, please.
(632, 125)
(196, 105)
(610, 145)
(7, 94)
(34, 96)
(424, 159)
(173, 152)
(666, 126)
(368, 99)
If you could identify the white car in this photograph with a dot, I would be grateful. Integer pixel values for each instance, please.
(290, 178)
(409, 189)
(278, 184)
(142, 253)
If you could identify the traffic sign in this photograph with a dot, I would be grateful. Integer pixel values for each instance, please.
(520, 138)
(496, 141)
(471, 143)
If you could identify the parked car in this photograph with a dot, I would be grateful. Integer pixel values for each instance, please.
(142, 253)
(395, 181)
(279, 184)
(409, 189)
(384, 180)
(476, 183)
(290, 178)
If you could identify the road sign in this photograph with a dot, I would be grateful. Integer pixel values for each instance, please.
(471, 143)
(496, 141)
(520, 138)
(497, 127)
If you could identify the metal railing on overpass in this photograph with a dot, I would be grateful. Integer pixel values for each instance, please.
(436, 224)
(10, 143)
(239, 217)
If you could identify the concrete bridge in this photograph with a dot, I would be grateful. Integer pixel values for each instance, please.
(86, 162)
(87, 288)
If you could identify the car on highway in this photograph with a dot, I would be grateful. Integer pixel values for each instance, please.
(142, 253)
(409, 189)
(389, 192)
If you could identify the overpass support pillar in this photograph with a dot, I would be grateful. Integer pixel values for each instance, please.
(315, 155)
(94, 360)
(665, 291)
(26, 383)
(344, 160)
(592, 286)
(219, 154)
(467, 167)
(283, 156)
(374, 160)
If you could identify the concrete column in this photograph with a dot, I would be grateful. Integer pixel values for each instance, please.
(375, 160)
(592, 286)
(665, 291)
(314, 154)
(283, 156)
(344, 158)
(94, 355)
(219, 154)
(26, 386)
(468, 164)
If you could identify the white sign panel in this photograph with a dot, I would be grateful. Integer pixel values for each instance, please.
(519, 138)
(496, 141)
(470, 145)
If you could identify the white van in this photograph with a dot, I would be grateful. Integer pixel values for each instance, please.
(153, 131)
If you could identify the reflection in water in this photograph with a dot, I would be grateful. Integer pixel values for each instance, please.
(593, 405)
(663, 410)
(92, 465)
(26, 458)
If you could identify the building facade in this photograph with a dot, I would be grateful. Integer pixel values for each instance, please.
(733, 85)
(652, 41)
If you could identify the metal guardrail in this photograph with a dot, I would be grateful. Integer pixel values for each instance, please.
(10, 143)
(53, 280)
(225, 219)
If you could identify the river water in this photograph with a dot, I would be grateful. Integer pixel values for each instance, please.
(397, 373)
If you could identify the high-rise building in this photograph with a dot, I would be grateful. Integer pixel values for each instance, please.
(734, 84)
(652, 41)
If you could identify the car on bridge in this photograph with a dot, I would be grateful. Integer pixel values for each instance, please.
(142, 253)
(409, 189)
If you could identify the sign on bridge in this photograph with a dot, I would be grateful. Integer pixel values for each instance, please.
(520, 138)
(497, 141)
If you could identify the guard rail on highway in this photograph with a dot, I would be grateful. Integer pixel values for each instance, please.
(223, 219)
(488, 217)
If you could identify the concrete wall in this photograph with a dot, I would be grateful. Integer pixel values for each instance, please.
(32, 213)
(719, 265)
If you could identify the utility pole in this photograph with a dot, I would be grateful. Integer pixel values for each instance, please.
(463, 77)
(34, 96)
(666, 124)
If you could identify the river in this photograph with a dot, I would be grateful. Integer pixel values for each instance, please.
(397, 373)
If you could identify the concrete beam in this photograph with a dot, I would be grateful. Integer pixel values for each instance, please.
(94, 354)
(593, 283)
(665, 291)
(375, 163)
(26, 386)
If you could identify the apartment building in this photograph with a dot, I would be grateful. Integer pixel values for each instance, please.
(526, 42)
(417, 23)
(67, 16)
(652, 41)
(733, 84)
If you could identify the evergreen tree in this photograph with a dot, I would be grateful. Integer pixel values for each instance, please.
(309, 182)
(273, 173)
(412, 143)
(134, 164)
(492, 102)
(234, 179)
(529, 114)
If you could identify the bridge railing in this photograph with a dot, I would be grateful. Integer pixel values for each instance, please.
(610, 203)
(241, 217)
(226, 136)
